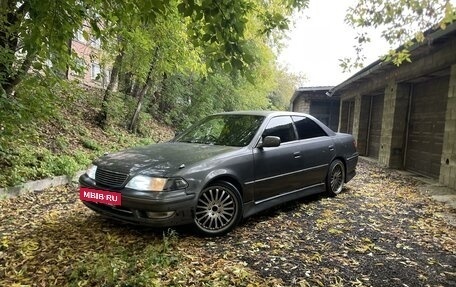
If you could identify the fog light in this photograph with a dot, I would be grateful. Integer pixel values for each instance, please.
(160, 215)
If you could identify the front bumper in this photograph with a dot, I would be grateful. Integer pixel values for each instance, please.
(156, 209)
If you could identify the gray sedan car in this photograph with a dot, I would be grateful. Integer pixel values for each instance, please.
(222, 169)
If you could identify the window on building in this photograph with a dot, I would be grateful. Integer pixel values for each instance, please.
(96, 43)
(281, 127)
(95, 71)
(48, 63)
(79, 68)
(107, 75)
(307, 128)
(80, 36)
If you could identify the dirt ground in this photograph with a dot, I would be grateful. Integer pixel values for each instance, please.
(381, 231)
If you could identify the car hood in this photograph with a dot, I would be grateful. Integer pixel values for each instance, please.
(160, 159)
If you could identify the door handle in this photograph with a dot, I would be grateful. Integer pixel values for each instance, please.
(331, 148)
(297, 154)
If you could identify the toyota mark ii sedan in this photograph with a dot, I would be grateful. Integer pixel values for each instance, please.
(222, 169)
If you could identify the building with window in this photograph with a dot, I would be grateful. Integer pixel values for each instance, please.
(91, 73)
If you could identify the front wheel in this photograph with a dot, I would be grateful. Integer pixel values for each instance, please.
(219, 209)
(335, 178)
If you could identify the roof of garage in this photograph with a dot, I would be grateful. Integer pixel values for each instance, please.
(309, 90)
(433, 37)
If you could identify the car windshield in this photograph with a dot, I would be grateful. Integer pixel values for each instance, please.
(228, 130)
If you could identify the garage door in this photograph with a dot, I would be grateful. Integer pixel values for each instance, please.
(375, 126)
(326, 111)
(347, 117)
(426, 127)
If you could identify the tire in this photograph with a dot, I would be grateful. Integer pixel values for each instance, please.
(219, 209)
(336, 178)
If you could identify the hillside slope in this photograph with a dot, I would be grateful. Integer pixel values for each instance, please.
(60, 135)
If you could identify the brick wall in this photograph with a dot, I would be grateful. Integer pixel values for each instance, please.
(301, 105)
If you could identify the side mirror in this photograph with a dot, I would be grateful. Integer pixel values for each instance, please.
(270, 141)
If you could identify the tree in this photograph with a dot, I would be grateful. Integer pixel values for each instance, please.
(33, 32)
(401, 22)
(286, 84)
(188, 36)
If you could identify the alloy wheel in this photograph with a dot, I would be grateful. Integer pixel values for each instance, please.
(336, 177)
(217, 210)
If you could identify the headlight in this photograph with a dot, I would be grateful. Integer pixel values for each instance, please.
(146, 183)
(175, 184)
(91, 171)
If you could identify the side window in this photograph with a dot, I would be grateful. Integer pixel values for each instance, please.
(281, 127)
(307, 128)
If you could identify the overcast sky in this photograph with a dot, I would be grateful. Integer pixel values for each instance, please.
(319, 39)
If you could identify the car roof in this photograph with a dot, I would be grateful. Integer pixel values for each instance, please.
(264, 113)
(270, 114)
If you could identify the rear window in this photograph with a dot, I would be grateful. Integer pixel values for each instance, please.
(281, 127)
(307, 128)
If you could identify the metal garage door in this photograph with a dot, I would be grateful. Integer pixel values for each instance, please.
(347, 116)
(375, 125)
(426, 127)
(326, 111)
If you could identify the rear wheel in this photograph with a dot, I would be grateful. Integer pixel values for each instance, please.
(219, 209)
(335, 178)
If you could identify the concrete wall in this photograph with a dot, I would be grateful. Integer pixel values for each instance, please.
(448, 161)
(394, 121)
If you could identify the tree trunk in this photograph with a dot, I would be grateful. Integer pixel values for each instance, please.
(13, 80)
(103, 116)
(140, 97)
(135, 90)
(67, 71)
(133, 126)
(142, 92)
(126, 83)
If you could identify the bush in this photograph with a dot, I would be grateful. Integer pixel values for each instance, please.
(90, 144)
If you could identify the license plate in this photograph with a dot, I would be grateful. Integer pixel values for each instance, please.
(100, 196)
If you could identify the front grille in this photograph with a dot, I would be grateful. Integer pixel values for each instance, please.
(110, 178)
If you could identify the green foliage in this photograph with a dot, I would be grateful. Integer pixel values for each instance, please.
(119, 109)
(62, 143)
(46, 135)
(285, 87)
(41, 30)
(40, 163)
(186, 99)
(400, 22)
(90, 144)
(191, 59)
(30, 105)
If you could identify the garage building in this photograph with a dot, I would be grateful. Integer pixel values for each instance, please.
(405, 116)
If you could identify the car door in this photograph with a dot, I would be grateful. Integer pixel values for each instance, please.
(275, 167)
(316, 149)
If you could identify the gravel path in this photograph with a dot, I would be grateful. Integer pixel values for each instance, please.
(381, 231)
